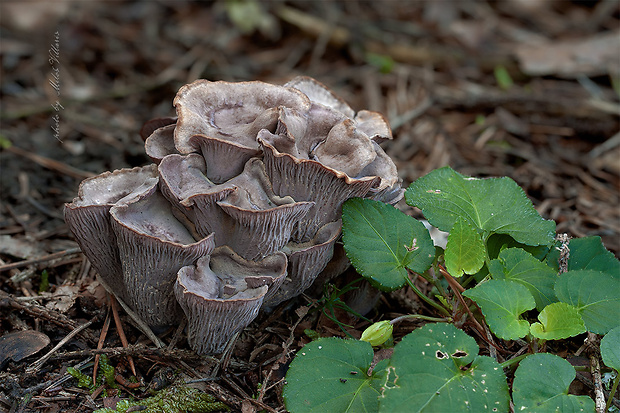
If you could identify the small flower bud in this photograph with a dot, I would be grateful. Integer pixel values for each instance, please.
(378, 333)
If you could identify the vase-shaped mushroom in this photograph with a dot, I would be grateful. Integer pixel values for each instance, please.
(306, 261)
(222, 294)
(153, 245)
(221, 120)
(88, 218)
(243, 213)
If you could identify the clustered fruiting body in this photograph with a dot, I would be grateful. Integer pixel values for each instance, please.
(242, 207)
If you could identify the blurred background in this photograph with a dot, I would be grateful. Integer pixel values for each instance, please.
(523, 88)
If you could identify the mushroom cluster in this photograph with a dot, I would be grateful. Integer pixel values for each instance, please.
(241, 208)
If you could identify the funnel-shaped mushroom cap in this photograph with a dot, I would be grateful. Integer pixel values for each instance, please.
(230, 111)
(261, 222)
(225, 159)
(184, 184)
(244, 212)
(374, 125)
(389, 190)
(308, 180)
(345, 149)
(306, 261)
(222, 294)
(160, 143)
(89, 221)
(152, 125)
(153, 246)
(319, 93)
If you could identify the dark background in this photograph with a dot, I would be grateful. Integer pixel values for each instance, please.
(525, 89)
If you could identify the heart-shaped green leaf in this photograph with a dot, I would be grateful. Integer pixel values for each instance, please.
(541, 385)
(558, 321)
(330, 375)
(596, 296)
(382, 242)
(518, 265)
(610, 349)
(493, 205)
(436, 369)
(502, 302)
(465, 250)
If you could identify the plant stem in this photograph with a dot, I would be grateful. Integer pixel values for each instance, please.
(512, 361)
(614, 387)
(430, 302)
(421, 317)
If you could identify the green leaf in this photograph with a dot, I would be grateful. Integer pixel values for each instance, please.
(436, 369)
(518, 265)
(504, 81)
(596, 296)
(382, 242)
(465, 251)
(541, 385)
(502, 302)
(588, 253)
(558, 321)
(499, 242)
(493, 205)
(610, 350)
(329, 375)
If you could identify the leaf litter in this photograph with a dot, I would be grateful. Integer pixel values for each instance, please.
(434, 79)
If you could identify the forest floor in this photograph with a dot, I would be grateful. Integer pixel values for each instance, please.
(522, 89)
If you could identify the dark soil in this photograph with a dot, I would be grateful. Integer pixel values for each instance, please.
(513, 88)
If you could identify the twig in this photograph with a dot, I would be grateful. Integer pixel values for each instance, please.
(50, 163)
(39, 260)
(225, 359)
(133, 350)
(245, 396)
(458, 289)
(177, 334)
(140, 324)
(37, 364)
(564, 252)
(102, 336)
(121, 332)
(595, 370)
(38, 311)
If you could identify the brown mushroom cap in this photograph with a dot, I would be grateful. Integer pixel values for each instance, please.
(319, 93)
(306, 261)
(244, 212)
(153, 245)
(389, 189)
(222, 294)
(160, 143)
(345, 149)
(308, 180)
(224, 159)
(152, 125)
(374, 125)
(184, 184)
(230, 111)
(262, 222)
(89, 221)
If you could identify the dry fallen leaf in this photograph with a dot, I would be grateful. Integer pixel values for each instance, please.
(21, 344)
(62, 298)
(593, 56)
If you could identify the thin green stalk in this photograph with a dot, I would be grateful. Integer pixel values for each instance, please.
(430, 302)
(614, 387)
(512, 361)
(421, 317)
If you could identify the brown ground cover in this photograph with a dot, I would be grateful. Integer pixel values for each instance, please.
(527, 90)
